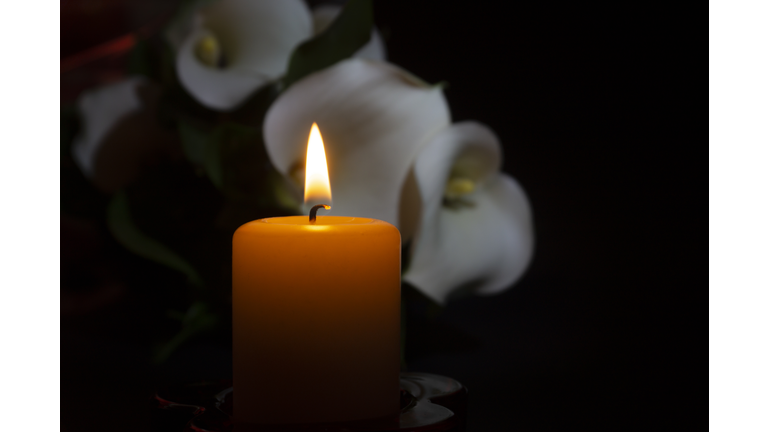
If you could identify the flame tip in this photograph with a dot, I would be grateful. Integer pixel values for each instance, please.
(317, 185)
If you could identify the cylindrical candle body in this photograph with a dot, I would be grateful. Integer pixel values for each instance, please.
(316, 320)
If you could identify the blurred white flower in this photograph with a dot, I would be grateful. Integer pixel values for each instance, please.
(228, 49)
(101, 108)
(476, 229)
(393, 155)
(374, 118)
(119, 132)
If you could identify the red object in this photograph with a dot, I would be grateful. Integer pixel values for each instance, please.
(89, 23)
(117, 46)
(98, 35)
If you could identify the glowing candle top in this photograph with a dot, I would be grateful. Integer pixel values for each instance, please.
(317, 184)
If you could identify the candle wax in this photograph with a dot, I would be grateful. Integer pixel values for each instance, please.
(316, 320)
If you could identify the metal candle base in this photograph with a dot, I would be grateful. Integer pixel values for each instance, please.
(427, 403)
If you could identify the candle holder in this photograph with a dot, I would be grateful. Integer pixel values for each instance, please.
(427, 403)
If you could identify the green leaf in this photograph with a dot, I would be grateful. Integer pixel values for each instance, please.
(198, 319)
(125, 231)
(140, 59)
(347, 34)
(254, 109)
(194, 142)
(233, 157)
(226, 151)
(227, 140)
(206, 148)
(214, 149)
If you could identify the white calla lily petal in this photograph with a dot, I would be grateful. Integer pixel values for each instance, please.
(256, 37)
(484, 243)
(467, 150)
(220, 89)
(120, 135)
(374, 49)
(373, 117)
(259, 35)
(101, 109)
(323, 16)
(513, 216)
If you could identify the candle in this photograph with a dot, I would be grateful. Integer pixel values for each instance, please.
(316, 314)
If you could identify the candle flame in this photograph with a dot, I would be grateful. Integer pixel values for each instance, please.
(317, 185)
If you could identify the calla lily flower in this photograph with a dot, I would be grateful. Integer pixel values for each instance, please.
(120, 134)
(374, 118)
(101, 109)
(393, 155)
(237, 46)
(228, 49)
(476, 227)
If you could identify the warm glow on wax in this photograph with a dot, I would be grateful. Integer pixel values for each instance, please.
(315, 314)
(317, 185)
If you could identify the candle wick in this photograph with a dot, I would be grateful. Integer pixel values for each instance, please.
(313, 211)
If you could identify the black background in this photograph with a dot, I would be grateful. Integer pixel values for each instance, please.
(591, 103)
(605, 331)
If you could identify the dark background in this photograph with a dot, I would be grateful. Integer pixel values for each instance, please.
(606, 328)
